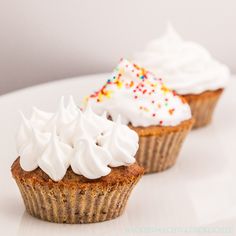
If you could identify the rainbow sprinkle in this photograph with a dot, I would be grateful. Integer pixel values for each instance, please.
(140, 82)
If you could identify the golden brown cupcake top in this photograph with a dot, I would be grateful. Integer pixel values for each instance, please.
(122, 174)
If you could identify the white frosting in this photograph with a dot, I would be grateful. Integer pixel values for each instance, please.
(140, 98)
(116, 140)
(185, 66)
(23, 134)
(62, 117)
(70, 137)
(92, 167)
(55, 158)
(34, 147)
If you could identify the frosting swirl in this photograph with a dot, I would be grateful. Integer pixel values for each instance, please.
(70, 137)
(185, 66)
(139, 97)
(91, 167)
(116, 140)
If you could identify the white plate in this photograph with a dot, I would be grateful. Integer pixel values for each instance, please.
(197, 195)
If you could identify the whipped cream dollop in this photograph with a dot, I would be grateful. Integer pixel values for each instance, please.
(139, 97)
(185, 66)
(89, 143)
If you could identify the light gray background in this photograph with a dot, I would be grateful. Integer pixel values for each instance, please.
(43, 40)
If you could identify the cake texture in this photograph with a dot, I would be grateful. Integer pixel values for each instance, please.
(158, 115)
(75, 167)
(159, 147)
(76, 199)
(203, 106)
(189, 69)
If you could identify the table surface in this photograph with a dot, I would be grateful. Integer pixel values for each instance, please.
(197, 195)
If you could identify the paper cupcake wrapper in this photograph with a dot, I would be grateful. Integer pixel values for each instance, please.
(64, 205)
(203, 106)
(159, 152)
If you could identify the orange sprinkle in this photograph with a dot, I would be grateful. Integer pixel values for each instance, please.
(164, 89)
(171, 111)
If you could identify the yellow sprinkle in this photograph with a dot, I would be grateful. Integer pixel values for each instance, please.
(100, 96)
(146, 109)
(164, 89)
(119, 84)
(108, 94)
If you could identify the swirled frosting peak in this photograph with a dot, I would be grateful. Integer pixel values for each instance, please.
(118, 143)
(139, 97)
(89, 143)
(185, 66)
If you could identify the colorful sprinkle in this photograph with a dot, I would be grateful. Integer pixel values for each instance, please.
(171, 111)
(141, 82)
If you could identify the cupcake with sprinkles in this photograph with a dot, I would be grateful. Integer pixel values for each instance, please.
(189, 69)
(161, 118)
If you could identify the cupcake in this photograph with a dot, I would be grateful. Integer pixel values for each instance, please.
(189, 69)
(74, 166)
(161, 118)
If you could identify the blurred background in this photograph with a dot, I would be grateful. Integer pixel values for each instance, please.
(47, 40)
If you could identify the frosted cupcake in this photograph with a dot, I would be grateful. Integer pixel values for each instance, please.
(161, 118)
(75, 167)
(189, 69)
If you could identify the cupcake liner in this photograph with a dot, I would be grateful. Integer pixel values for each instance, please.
(61, 204)
(203, 106)
(159, 146)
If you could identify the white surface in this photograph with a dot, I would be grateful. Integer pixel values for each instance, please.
(48, 40)
(199, 191)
